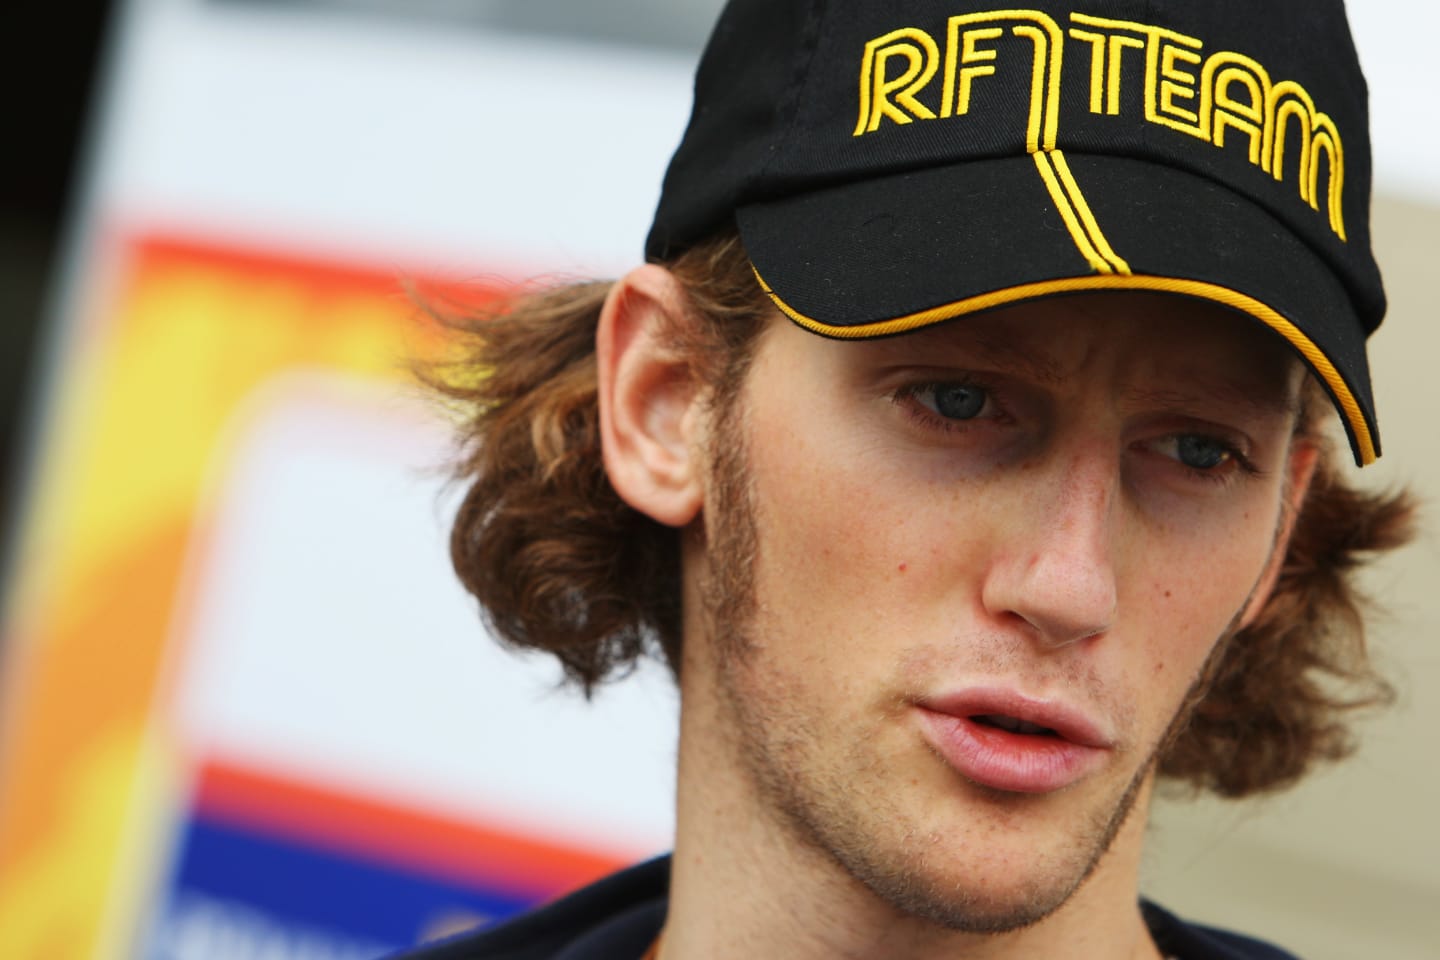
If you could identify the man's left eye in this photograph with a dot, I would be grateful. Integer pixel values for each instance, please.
(1197, 451)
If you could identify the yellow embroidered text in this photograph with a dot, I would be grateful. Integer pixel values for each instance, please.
(1219, 97)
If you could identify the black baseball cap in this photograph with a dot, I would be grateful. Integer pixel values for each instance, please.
(899, 164)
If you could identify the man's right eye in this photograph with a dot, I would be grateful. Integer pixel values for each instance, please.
(1201, 452)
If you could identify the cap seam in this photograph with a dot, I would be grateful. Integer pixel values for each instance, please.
(789, 108)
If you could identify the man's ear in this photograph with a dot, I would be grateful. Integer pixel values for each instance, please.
(649, 402)
(1304, 457)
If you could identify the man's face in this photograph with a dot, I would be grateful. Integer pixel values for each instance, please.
(991, 559)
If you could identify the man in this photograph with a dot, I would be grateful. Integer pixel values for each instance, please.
(1046, 510)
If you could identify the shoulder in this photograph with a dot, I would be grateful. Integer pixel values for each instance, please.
(1191, 941)
(616, 918)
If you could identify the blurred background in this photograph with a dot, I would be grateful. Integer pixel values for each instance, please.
(244, 709)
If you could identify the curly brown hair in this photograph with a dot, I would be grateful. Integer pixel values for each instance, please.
(558, 562)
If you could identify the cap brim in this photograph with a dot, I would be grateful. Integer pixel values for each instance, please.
(896, 253)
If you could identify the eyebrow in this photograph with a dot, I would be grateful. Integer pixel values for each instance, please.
(1021, 357)
(1224, 390)
(1001, 348)
(987, 348)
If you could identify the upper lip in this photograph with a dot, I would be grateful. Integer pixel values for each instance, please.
(1068, 721)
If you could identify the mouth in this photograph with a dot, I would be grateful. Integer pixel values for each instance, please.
(1006, 741)
(1013, 725)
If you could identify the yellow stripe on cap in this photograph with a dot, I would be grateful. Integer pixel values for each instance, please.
(1215, 293)
(1083, 243)
(1082, 209)
(1075, 211)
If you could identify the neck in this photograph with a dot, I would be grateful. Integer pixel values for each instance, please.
(745, 884)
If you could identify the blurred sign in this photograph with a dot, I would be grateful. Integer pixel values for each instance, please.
(247, 710)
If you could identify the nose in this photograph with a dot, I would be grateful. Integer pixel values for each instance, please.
(1054, 569)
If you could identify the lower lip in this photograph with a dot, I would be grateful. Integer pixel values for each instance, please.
(1014, 762)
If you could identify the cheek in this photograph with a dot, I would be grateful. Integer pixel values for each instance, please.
(1189, 585)
(855, 556)
(1215, 559)
(828, 539)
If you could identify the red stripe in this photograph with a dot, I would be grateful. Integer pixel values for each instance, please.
(321, 276)
(448, 849)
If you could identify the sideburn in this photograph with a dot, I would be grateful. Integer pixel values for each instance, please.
(732, 541)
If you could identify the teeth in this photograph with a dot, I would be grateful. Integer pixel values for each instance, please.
(1012, 724)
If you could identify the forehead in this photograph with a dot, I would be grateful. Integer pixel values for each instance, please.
(1149, 341)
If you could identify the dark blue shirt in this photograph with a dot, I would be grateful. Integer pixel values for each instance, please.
(620, 916)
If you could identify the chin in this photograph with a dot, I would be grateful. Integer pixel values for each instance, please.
(1005, 895)
(978, 861)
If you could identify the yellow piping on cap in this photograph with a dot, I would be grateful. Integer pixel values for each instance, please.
(1318, 361)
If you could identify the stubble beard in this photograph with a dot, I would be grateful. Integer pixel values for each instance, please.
(808, 798)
